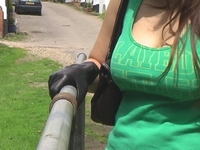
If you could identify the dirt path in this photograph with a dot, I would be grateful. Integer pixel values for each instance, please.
(59, 55)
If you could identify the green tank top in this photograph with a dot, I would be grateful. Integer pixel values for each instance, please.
(153, 115)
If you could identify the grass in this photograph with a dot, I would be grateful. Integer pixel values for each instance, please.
(19, 36)
(24, 98)
(94, 130)
(102, 16)
(25, 101)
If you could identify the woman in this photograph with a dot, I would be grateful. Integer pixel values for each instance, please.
(156, 65)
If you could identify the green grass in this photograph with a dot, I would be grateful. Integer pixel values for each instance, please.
(94, 130)
(24, 98)
(19, 36)
(25, 101)
(102, 16)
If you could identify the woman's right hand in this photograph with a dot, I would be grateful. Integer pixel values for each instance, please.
(78, 75)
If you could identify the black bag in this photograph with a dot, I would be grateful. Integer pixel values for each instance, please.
(107, 97)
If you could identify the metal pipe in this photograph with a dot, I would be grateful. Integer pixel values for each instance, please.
(57, 131)
(77, 138)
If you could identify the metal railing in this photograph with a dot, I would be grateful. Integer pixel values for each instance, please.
(63, 130)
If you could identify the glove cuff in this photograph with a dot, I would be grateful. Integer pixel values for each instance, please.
(92, 71)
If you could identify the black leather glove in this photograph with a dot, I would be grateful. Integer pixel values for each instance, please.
(78, 75)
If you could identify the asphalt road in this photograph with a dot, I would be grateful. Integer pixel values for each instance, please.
(60, 26)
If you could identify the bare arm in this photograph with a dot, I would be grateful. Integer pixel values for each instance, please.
(100, 48)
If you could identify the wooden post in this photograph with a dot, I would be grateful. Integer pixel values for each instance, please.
(1, 23)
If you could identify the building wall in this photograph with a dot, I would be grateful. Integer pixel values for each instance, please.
(103, 4)
(3, 17)
(4, 8)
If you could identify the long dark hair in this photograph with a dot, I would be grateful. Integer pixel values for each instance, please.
(188, 13)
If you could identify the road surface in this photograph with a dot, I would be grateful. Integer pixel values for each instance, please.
(61, 31)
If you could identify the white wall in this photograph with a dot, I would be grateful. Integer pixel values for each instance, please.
(103, 4)
(96, 2)
(87, 1)
(4, 8)
(68, 1)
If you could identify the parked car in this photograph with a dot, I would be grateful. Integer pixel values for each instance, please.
(28, 6)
